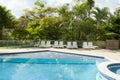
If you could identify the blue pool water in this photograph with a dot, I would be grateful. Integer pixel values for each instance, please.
(115, 68)
(50, 69)
(48, 65)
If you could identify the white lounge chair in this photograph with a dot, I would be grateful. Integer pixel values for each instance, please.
(69, 44)
(90, 45)
(61, 44)
(74, 44)
(56, 44)
(85, 45)
(36, 44)
(48, 44)
(42, 44)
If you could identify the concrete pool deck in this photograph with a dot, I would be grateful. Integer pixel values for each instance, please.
(113, 55)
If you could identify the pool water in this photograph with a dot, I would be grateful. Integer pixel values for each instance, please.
(48, 65)
(47, 69)
(115, 68)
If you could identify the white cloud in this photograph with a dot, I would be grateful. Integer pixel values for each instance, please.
(106, 0)
(16, 6)
(119, 1)
(58, 2)
(64, 1)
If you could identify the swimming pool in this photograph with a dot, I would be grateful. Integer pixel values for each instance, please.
(108, 70)
(48, 65)
(115, 68)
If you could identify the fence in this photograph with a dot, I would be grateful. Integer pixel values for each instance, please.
(16, 43)
(31, 43)
(112, 44)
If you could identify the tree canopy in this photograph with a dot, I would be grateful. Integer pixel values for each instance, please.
(79, 21)
(7, 20)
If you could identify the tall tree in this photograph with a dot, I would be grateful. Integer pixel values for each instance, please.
(23, 21)
(114, 26)
(67, 18)
(117, 12)
(39, 15)
(90, 5)
(39, 11)
(100, 15)
(6, 19)
(83, 25)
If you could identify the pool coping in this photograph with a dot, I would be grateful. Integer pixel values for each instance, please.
(96, 52)
(72, 53)
(103, 69)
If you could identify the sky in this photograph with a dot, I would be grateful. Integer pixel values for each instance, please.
(17, 6)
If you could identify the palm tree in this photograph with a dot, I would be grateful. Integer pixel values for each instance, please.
(66, 18)
(90, 5)
(114, 25)
(87, 4)
(117, 12)
(100, 15)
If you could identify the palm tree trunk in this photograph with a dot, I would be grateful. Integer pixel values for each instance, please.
(1, 31)
(98, 24)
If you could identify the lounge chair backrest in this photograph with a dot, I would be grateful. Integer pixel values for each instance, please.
(42, 44)
(48, 44)
(90, 44)
(56, 44)
(84, 43)
(69, 44)
(36, 44)
(61, 44)
(75, 44)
